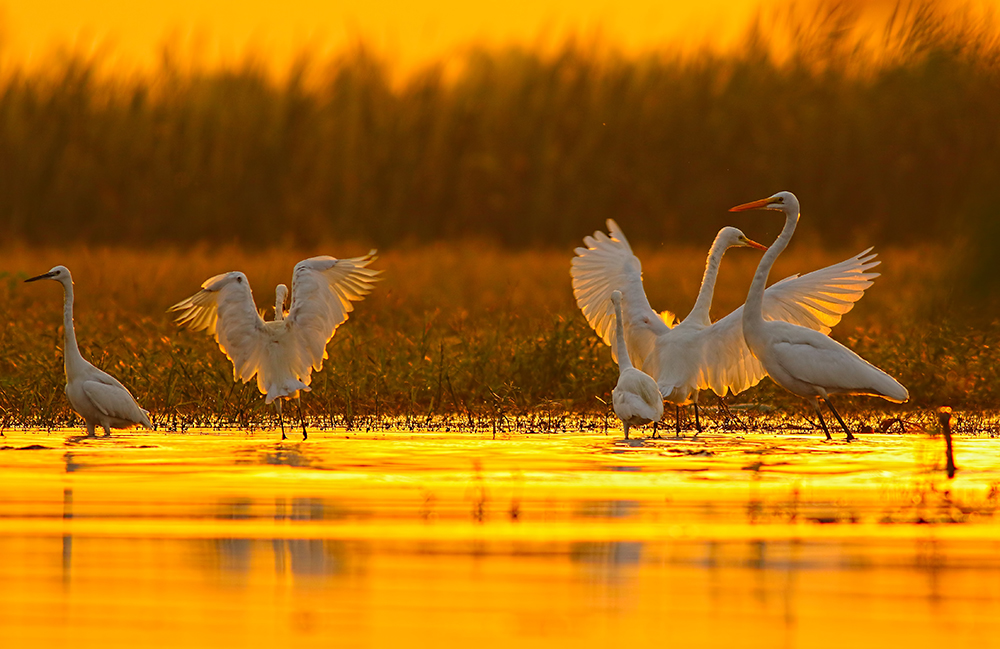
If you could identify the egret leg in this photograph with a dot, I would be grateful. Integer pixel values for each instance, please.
(729, 413)
(301, 418)
(677, 419)
(697, 423)
(107, 430)
(829, 404)
(625, 424)
(821, 421)
(90, 430)
(281, 420)
(654, 429)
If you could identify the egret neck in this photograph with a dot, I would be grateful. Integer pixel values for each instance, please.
(753, 310)
(624, 362)
(71, 352)
(700, 311)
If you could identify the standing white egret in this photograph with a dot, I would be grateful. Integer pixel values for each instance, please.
(94, 394)
(282, 353)
(636, 398)
(697, 354)
(803, 361)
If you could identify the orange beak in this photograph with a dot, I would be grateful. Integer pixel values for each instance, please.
(753, 205)
(754, 244)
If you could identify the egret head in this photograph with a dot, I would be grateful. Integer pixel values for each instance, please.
(734, 238)
(780, 202)
(616, 298)
(221, 280)
(58, 273)
(280, 292)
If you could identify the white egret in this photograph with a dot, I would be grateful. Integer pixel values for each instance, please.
(804, 361)
(698, 354)
(94, 394)
(636, 398)
(282, 353)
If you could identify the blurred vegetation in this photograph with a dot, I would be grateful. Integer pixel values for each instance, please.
(885, 135)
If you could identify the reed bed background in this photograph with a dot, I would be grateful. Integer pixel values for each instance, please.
(889, 133)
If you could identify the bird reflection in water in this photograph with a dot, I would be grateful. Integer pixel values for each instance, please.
(305, 558)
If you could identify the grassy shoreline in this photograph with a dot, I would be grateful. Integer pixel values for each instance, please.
(465, 329)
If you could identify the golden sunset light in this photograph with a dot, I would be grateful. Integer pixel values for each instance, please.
(554, 324)
(410, 33)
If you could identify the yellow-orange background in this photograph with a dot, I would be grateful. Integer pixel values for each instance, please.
(222, 31)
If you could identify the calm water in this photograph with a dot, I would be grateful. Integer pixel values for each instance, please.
(401, 539)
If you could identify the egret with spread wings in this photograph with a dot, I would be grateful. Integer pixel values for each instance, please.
(284, 352)
(96, 395)
(804, 361)
(698, 354)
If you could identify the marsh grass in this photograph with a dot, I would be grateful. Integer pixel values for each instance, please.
(889, 134)
(464, 334)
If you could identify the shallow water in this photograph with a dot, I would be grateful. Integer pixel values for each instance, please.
(210, 538)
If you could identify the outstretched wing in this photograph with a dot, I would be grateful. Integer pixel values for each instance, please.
(607, 264)
(224, 307)
(816, 300)
(323, 292)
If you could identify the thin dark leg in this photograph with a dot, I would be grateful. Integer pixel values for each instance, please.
(729, 413)
(677, 419)
(697, 422)
(822, 422)
(654, 429)
(626, 429)
(829, 404)
(281, 420)
(301, 418)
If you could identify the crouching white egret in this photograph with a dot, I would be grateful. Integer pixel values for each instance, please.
(282, 353)
(636, 398)
(698, 354)
(94, 394)
(803, 361)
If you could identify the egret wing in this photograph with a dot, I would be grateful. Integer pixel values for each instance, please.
(323, 292)
(114, 400)
(224, 307)
(816, 300)
(604, 265)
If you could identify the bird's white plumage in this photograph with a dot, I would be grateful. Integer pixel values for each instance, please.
(94, 394)
(816, 300)
(280, 293)
(283, 353)
(606, 264)
(804, 361)
(696, 354)
(636, 399)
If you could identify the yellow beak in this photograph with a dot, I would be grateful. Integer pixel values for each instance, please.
(753, 205)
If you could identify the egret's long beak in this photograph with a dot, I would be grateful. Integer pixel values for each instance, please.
(753, 205)
(754, 244)
(42, 276)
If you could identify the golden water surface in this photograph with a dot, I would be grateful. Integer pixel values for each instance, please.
(393, 538)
